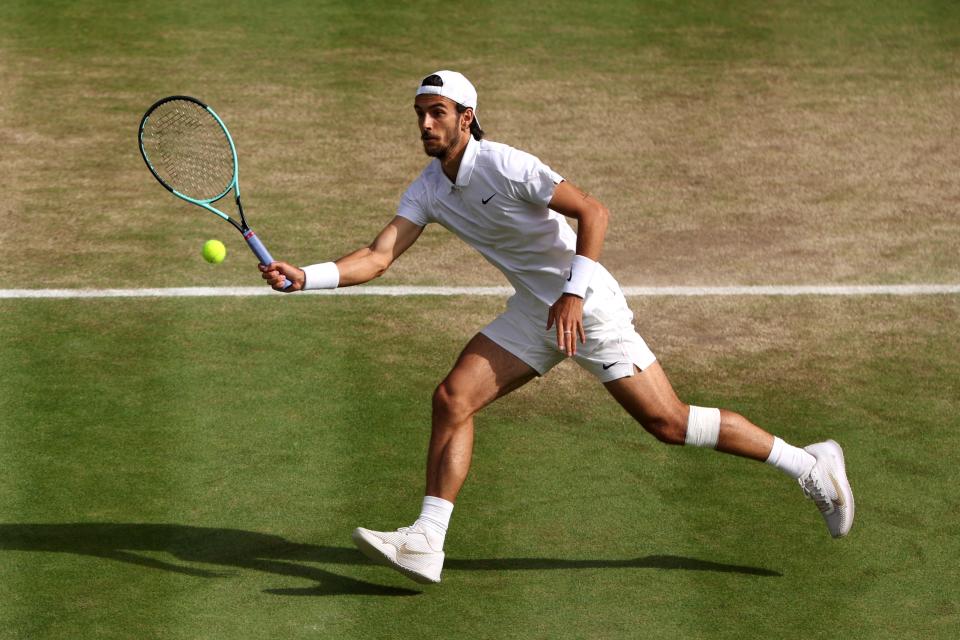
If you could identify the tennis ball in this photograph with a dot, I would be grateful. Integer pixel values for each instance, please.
(214, 251)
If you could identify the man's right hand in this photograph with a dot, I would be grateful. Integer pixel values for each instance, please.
(276, 273)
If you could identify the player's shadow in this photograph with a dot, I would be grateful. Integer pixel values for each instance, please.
(222, 550)
(646, 562)
(228, 549)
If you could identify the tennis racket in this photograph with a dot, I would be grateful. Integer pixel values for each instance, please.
(190, 152)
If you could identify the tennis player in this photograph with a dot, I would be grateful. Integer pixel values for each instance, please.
(513, 209)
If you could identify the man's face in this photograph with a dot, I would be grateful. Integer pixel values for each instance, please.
(441, 128)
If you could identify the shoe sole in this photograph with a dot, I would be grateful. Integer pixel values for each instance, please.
(380, 553)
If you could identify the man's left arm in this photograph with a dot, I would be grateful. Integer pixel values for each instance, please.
(591, 216)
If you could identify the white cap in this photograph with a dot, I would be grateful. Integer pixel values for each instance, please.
(451, 85)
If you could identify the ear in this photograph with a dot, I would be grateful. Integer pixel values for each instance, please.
(466, 119)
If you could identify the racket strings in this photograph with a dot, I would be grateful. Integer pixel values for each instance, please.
(189, 150)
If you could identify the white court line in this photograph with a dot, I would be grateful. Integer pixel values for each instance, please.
(400, 290)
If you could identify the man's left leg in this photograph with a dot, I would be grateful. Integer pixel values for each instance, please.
(649, 397)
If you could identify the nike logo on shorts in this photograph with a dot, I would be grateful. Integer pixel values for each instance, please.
(607, 366)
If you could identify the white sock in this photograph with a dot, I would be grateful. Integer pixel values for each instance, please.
(434, 518)
(793, 461)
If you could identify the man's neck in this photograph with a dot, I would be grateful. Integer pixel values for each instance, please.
(451, 164)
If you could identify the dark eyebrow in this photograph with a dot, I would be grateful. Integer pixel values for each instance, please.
(430, 107)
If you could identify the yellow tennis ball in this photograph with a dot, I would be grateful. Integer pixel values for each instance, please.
(214, 251)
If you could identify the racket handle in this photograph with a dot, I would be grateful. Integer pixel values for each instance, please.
(261, 252)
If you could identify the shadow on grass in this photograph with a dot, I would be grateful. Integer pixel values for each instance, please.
(225, 549)
(236, 549)
(646, 562)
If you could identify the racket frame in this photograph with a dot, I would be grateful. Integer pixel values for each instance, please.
(253, 241)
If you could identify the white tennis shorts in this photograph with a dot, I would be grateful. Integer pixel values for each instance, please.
(613, 345)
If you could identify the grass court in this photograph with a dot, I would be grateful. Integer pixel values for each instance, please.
(192, 468)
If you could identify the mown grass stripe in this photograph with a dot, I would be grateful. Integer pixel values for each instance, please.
(404, 290)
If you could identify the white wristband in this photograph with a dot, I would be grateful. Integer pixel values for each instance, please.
(581, 273)
(321, 276)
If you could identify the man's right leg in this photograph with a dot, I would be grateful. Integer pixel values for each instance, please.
(483, 372)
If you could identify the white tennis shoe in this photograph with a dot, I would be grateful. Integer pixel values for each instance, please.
(408, 550)
(827, 485)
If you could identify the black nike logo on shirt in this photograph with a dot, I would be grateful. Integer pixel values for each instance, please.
(487, 200)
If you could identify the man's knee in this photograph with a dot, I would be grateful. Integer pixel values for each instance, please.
(449, 405)
(703, 427)
(686, 425)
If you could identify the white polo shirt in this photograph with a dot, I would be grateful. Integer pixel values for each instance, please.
(498, 205)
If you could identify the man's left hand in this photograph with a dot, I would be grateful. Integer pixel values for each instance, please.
(567, 314)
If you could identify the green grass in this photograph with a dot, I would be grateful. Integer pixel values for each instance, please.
(187, 468)
(193, 468)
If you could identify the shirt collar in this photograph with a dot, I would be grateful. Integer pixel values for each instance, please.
(468, 162)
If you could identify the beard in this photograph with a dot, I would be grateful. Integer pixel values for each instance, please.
(442, 152)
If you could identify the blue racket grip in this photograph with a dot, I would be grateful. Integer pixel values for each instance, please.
(261, 252)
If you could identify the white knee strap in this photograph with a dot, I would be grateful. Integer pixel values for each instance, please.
(703, 427)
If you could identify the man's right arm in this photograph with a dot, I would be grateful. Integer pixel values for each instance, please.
(357, 267)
